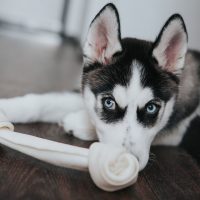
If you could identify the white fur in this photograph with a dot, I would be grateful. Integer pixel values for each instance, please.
(102, 39)
(67, 109)
(175, 27)
(80, 125)
(36, 107)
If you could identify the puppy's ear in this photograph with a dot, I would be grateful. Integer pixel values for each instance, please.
(170, 46)
(103, 38)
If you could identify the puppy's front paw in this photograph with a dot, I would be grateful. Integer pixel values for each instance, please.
(79, 125)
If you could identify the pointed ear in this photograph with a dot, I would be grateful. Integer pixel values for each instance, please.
(103, 38)
(170, 46)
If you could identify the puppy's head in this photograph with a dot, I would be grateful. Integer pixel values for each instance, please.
(130, 85)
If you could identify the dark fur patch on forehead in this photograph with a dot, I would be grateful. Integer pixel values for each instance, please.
(103, 78)
(163, 84)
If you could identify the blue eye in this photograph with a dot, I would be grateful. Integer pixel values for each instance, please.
(109, 104)
(152, 108)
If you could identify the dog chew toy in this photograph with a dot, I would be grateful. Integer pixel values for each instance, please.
(111, 168)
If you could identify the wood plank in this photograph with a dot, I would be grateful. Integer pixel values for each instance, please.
(174, 174)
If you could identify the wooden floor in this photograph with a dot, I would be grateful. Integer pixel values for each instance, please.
(32, 67)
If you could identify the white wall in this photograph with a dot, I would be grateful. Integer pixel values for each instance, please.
(144, 18)
(76, 17)
(43, 14)
(139, 18)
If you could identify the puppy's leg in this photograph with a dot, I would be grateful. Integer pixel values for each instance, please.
(50, 107)
(78, 123)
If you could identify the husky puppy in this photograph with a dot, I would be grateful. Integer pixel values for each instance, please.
(135, 93)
